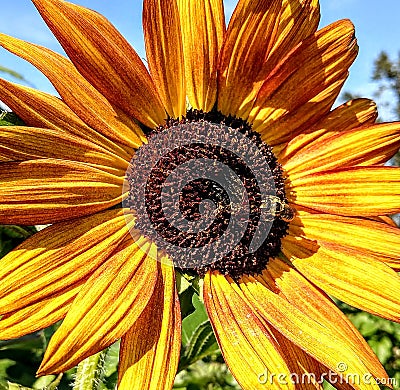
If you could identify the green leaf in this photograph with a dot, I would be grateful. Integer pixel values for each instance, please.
(192, 321)
(197, 335)
(10, 119)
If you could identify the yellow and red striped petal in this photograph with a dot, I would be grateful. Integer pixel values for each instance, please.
(369, 237)
(326, 346)
(349, 275)
(320, 66)
(19, 143)
(38, 315)
(313, 302)
(249, 39)
(355, 191)
(104, 58)
(372, 145)
(297, 21)
(89, 104)
(164, 50)
(39, 109)
(347, 116)
(58, 257)
(248, 347)
(49, 190)
(149, 353)
(105, 308)
(202, 42)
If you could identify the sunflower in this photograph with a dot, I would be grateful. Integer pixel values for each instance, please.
(270, 79)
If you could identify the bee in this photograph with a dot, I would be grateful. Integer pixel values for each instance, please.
(278, 208)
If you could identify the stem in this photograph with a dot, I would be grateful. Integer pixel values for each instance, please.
(90, 372)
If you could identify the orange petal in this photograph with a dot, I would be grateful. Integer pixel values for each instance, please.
(164, 49)
(249, 349)
(279, 32)
(368, 237)
(58, 257)
(297, 21)
(372, 145)
(104, 58)
(49, 190)
(38, 315)
(314, 303)
(202, 42)
(106, 307)
(349, 115)
(19, 143)
(39, 109)
(249, 39)
(303, 87)
(357, 191)
(149, 353)
(328, 347)
(89, 104)
(354, 278)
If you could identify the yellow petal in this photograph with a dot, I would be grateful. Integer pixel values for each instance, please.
(249, 39)
(249, 349)
(314, 303)
(303, 87)
(149, 353)
(329, 348)
(105, 308)
(58, 257)
(164, 50)
(349, 115)
(38, 315)
(357, 191)
(354, 278)
(370, 238)
(202, 42)
(39, 109)
(104, 58)
(49, 190)
(19, 143)
(89, 104)
(372, 145)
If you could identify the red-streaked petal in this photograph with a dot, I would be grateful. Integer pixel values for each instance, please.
(303, 87)
(249, 39)
(39, 109)
(104, 58)
(371, 238)
(350, 276)
(372, 145)
(149, 353)
(248, 347)
(328, 347)
(347, 116)
(202, 42)
(19, 143)
(58, 257)
(356, 191)
(105, 308)
(164, 50)
(314, 303)
(89, 104)
(49, 190)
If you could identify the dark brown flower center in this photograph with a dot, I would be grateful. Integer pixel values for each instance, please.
(210, 193)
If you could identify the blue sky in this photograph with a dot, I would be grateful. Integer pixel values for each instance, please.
(377, 28)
